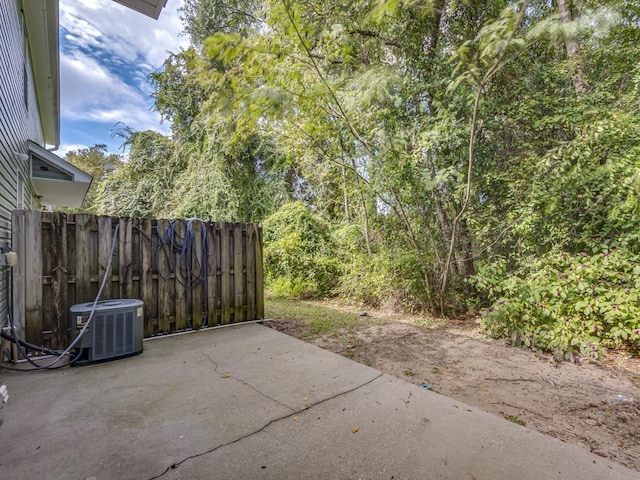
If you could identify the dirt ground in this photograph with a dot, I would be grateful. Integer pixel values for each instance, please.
(594, 404)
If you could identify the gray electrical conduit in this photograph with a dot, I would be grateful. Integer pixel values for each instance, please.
(107, 273)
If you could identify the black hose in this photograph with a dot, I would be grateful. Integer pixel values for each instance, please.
(191, 271)
(31, 346)
(43, 367)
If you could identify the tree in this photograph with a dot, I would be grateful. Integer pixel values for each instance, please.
(143, 185)
(98, 163)
(448, 135)
(574, 52)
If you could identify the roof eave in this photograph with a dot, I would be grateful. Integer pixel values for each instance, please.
(59, 192)
(41, 19)
(150, 8)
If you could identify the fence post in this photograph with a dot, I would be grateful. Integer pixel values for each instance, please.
(250, 250)
(18, 287)
(259, 275)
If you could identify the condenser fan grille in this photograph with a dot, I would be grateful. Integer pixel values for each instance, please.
(113, 335)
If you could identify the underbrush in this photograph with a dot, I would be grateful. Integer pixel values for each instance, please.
(570, 305)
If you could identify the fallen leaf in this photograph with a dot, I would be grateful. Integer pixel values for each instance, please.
(295, 419)
(306, 399)
(303, 407)
(224, 375)
(355, 429)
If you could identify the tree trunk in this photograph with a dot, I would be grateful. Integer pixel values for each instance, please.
(443, 218)
(364, 206)
(438, 9)
(574, 53)
(468, 266)
(345, 195)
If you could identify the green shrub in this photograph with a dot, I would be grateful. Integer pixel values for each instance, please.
(385, 278)
(366, 280)
(566, 304)
(299, 256)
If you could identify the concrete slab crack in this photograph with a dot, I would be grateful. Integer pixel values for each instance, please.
(246, 384)
(264, 427)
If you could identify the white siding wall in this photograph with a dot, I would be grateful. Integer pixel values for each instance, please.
(18, 123)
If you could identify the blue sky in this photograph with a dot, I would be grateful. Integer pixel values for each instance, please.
(106, 53)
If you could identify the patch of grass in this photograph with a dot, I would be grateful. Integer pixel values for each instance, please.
(318, 318)
(408, 372)
(425, 322)
(515, 419)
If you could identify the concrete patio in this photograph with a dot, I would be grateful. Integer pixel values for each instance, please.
(247, 402)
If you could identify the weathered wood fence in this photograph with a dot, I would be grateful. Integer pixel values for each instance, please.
(189, 273)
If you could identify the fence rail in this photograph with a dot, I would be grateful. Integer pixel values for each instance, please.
(189, 273)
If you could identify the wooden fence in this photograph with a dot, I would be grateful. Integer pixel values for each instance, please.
(189, 273)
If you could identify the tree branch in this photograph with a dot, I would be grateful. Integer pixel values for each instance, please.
(370, 33)
(497, 65)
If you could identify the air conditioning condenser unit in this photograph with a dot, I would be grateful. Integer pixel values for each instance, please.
(115, 331)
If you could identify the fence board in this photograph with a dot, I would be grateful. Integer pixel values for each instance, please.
(59, 278)
(47, 266)
(125, 249)
(70, 264)
(19, 276)
(83, 262)
(197, 286)
(94, 280)
(225, 273)
(251, 271)
(105, 242)
(181, 281)
(259, 274)
(238, 274)
(189, 274)
(33, 271)
(146, 277)
(213, 294)
(166, 280)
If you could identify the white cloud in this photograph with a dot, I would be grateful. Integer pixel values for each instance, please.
(64, 149)
(91, 92)
(128, 34)
(108, 51)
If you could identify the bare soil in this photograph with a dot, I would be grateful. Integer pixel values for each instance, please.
(593, 404)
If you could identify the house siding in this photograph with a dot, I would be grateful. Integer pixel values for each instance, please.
(19, 122)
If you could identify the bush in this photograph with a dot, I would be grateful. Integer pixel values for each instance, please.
(300, 258)
(385, 278)
(566, 304)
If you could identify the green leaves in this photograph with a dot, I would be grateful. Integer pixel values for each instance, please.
(566, 303)
(142, 186)
(224, 47)
(299, 254)
(365, 111)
